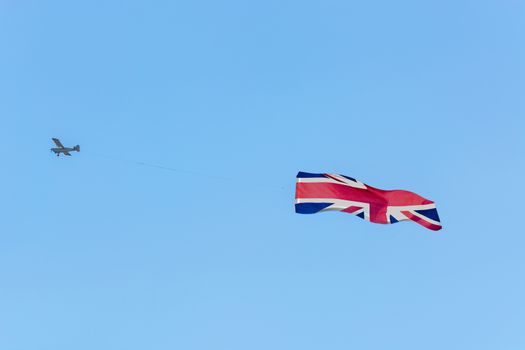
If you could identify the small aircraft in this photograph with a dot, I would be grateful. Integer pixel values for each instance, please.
(61, 149)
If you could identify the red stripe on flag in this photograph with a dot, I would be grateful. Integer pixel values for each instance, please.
(332, 190)
(377, 202)
(421, 221)
(352, 209)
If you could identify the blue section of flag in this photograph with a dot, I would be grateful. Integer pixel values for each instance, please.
(349, 178)
(309, 175)
(393, 220)
(429, 213)
(310, 208)
(361, 215)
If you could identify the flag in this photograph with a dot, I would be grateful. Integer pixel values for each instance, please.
(316, 193)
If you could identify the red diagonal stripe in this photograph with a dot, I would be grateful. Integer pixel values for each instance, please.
(421, 221)
(352, 209)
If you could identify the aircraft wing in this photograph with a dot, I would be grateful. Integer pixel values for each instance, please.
(58, 143)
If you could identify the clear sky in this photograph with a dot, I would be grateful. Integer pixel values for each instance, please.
(100, 252)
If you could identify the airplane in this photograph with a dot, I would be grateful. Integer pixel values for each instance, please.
(61, 149)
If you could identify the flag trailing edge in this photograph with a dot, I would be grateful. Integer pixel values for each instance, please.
(316, 193)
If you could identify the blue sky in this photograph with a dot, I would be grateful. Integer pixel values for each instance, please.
(98, 251)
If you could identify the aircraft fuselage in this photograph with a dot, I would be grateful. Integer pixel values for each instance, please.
(62, 150)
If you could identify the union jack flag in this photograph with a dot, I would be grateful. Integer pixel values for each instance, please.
(325, 192)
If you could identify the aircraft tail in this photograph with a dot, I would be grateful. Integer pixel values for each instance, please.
(77, 148)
